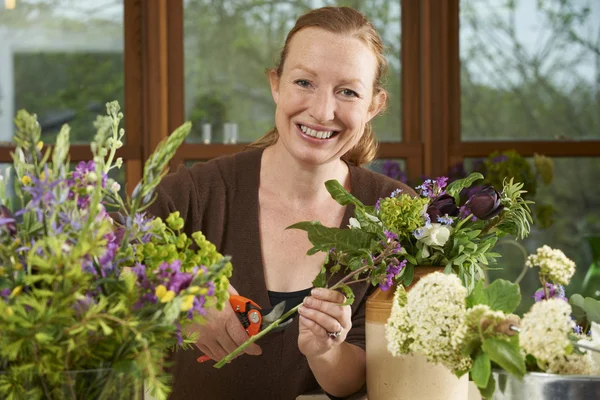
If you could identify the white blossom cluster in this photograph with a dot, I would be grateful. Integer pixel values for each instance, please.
(544, 330)
(430, 321)
(594, 341)
(572, 364)
(553, 264)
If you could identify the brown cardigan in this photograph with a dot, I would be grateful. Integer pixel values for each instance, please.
(220, 198)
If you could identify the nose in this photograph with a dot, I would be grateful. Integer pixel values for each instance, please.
(322, 108)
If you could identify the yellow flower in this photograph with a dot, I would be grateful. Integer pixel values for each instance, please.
(26, 180)
(188, 303)
(163, 294)
(16, 291)
(40, 145)
(193, 289)
(9, 311)
(18, 266)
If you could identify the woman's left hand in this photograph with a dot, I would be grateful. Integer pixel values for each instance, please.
(324, 322)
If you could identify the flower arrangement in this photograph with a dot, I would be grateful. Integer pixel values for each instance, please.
(472, 333)
(386, 242)
(81, 291)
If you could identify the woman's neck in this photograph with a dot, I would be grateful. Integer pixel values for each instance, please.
(296, 181)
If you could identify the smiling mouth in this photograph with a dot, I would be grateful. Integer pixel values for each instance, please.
(317, 134)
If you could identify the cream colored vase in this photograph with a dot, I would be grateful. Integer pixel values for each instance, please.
(409, 377)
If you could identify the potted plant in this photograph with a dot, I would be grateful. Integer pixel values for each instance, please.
(90, 306)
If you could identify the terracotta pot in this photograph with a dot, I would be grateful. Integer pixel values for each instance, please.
(409, 377)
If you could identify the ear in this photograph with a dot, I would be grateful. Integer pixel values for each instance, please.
(274, 81)
(377, 104)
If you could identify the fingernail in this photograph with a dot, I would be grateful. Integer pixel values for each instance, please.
(316, 292)
(301, 309)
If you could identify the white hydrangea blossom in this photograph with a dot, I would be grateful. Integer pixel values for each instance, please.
(573, 364)
(595, 343)
(544, 330)
(431, 321)
(553, 264)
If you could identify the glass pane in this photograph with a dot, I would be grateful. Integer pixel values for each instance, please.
(62, 60)
(394, 168)
(574, 194)
(530, 69)
(227, 96)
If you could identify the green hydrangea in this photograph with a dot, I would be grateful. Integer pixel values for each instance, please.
(402, 214)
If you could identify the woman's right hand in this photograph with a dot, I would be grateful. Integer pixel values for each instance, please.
(223, 332)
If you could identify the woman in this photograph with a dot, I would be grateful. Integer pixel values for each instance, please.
(327, 88)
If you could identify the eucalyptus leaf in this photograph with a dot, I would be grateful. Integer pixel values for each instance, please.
(578, 307)
(592, 309)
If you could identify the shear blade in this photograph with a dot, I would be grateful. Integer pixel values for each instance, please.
(274, 314)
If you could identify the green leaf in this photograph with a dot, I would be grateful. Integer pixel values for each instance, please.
(481, 370)
(409, 274)
(105, 328)
(457, 186)
(477, 296)
(506, 355)
(321, 278)
(592, 309)
(470, 346)
(348, 293)
(503, 296)
(410, 259)
(341, 195)
(488, 391)
(577, 305)
(324, 238)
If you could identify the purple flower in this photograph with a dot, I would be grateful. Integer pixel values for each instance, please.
(442, 206)
(485, 204)
(4, 293)
(393, 268)
(391, 169)
(392, 237)
(396, 193)
(554, 291)
(8, 221)
(433, 188)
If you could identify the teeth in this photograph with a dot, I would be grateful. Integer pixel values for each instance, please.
(316, 134)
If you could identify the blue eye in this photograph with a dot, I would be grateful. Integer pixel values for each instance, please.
(302, 83)
(349, 93)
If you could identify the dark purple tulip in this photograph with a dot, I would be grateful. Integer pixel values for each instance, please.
(485, 204)
(441, 206)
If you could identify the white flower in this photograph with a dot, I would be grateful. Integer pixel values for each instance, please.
(354, 224)
(430, 321)
(434, 235)
(553, 264)
(544, 330)
(572, 364)
(595, 343)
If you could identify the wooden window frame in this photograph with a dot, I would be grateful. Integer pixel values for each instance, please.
(430, 79)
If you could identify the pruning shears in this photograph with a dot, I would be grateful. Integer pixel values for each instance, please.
(254, 318)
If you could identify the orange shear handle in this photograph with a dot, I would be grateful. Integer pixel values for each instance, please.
(248, 312)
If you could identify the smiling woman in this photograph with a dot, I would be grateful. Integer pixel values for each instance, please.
(327, 88)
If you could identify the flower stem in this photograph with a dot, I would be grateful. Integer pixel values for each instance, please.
(254, 338)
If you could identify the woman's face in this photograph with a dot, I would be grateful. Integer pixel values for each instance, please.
(324, 96)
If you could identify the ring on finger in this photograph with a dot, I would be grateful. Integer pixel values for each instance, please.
(335, 335)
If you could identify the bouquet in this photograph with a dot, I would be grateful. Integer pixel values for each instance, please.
(473, 333)
(81, 291)
(386, 242)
